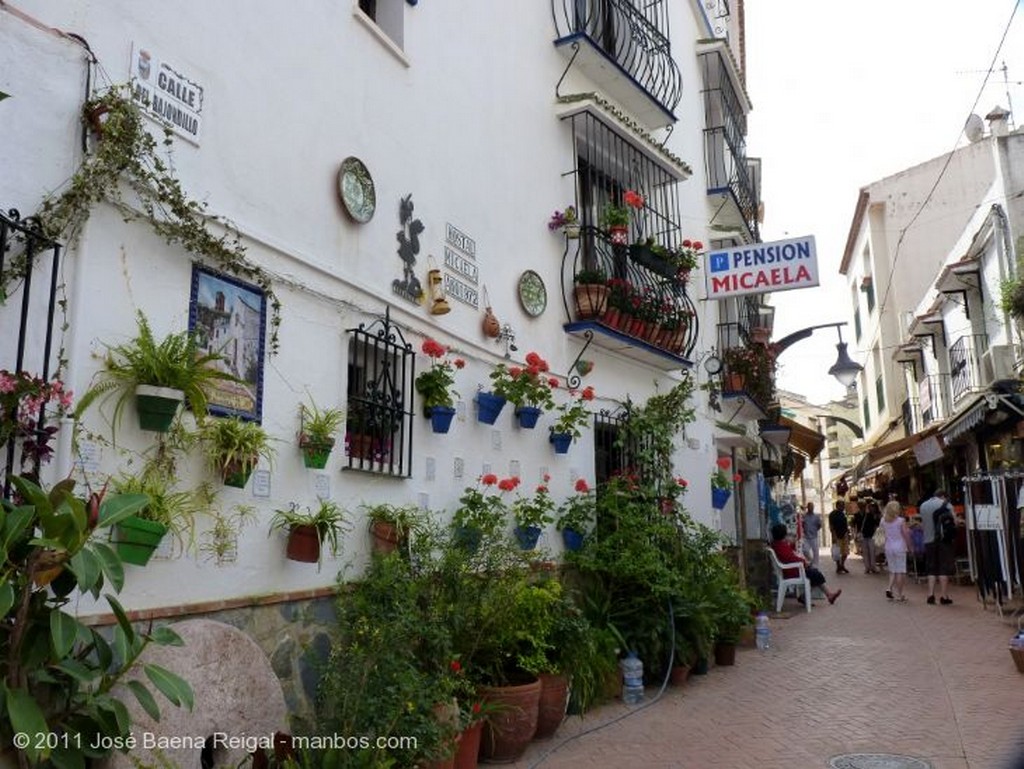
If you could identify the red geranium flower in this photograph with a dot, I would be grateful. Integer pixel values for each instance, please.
(547, 477)
(541, 489)
(682, 482)
(588, 393)
(737, 478)
(553, 383)
(489, 480)
(455, 666)
(533, 359)
(459, 363)
(724, 462)
(581, 485)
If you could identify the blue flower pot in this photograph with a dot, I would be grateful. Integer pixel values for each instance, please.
(561, 442)
(572, 539)
(528, 416)
(527, 537)
(719, 497)
(488, 406)
(441, 418)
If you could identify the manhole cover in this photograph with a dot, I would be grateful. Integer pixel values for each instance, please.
(877, 761)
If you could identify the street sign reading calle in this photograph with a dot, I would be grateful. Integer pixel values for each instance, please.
(760, 268)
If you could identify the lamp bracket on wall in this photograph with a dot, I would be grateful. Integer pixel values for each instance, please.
(573, 380)
(508, 336)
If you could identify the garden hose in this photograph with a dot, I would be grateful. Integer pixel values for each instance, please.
(597, 727)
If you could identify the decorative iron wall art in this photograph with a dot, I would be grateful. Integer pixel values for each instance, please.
(408, 287)
(230, 317)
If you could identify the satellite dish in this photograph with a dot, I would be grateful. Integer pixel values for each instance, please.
(975, 128)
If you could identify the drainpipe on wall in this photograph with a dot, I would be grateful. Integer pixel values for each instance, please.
(1007, 259)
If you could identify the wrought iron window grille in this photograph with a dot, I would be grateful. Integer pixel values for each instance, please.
(379, 422)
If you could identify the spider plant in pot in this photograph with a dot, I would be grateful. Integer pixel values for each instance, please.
(309, 530)
(390, 525)
(169, 510)
(233, 447)
(317, 428)
(159, 375)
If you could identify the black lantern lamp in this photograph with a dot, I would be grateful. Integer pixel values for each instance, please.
(844, 369)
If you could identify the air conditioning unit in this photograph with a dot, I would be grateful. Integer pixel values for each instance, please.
(999, 362)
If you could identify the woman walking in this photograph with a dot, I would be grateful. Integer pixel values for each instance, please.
(897, 542)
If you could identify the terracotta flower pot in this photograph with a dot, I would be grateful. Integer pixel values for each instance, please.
(514, 723)
(591, 300)
(554, 697)
(468, 751)
(618, 234)
(679, 675)
(725, 653)
(303, 544)
(385, 537)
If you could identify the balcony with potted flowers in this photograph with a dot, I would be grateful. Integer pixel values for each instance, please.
(631, 299)
(747, 372)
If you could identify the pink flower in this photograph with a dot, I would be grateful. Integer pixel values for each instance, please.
(547, 477)
(682, 483)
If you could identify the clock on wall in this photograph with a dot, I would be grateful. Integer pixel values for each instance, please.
(533, 296)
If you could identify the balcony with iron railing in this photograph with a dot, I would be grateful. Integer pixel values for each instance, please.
(934, 403)
(729, 171)
(748, 369)
(624, 299)
(965, 371)
(624, 48)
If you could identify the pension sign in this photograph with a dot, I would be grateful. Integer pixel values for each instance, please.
(761, 268)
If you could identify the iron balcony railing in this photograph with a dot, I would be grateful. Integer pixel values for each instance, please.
(746, 366)
(29, 277)
(933, 399)
(725, 144)
(965, 365)
(632, 35)
(627, 292)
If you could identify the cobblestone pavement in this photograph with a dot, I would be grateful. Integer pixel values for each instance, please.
(863, 676)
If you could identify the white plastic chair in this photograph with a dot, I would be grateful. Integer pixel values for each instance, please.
(785, 583)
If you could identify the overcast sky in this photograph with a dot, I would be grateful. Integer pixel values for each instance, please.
(846, 93)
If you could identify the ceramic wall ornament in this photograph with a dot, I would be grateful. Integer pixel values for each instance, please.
(408, 287)
(533, 295)
(491, 326)
(435, 283)
(584, 367)
(355, 186)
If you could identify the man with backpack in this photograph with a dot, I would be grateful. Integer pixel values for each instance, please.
(939, 527)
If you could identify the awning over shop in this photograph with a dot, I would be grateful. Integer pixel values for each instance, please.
(802, 438)
(990, 407)
(885, 453)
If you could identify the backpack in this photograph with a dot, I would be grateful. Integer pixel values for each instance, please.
(945, 525)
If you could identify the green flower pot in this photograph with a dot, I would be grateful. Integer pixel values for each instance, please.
(157, 407)
(135, 539)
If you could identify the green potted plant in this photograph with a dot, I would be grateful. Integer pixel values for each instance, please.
(159, 375)
(309, 530)
(233, 447)
(533, 514)
(752, 370)
(576, 516)
(220, 541)
(616, 216)
(732, 615)
(482, 511)
(685, 258)
(390, 525)
(527, 388)
(168, 510)
(571, 415)
(436, 385)
(317, 428)
(590, 292)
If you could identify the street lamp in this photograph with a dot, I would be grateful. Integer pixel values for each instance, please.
(844, 369)
(774, 433)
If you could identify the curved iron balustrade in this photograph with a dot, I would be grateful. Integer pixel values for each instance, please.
(595, 251)
(635, 39)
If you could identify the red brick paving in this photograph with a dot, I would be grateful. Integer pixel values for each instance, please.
(863, 676)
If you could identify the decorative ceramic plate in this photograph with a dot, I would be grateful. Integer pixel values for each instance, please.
(356, 189)
(532, 293)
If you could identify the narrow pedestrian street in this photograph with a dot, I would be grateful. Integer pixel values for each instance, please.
(866, 676)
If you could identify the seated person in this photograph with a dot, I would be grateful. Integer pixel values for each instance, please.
(787, 554)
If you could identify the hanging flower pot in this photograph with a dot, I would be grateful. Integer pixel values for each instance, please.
(527, 416)
(488, 407)
(591, 299)
(618, 234)
(735, 382)
(303, 544)
(135, 539)
(157, 407)
(572, 540)
(236, 474)
(441, 418)
(572, 230)
(561, 442)
(315, 455)
(719, 498)
(527, 536)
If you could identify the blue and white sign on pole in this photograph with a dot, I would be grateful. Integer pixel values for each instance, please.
(760, 268)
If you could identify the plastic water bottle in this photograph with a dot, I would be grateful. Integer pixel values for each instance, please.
(763, 633)
(632, 679)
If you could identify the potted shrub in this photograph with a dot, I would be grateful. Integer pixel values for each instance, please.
(309, 530)
(576, 516)
(591, 292)
(233, 448)
(159, 375)
(571, 416)
(436, 385)
(528, 389)
(481, 513)
(685, 258)
(317, 428)
(615, 217)
(532, 515)
(567, 221)
(732, 607)
(652, 256)
(390, 525)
